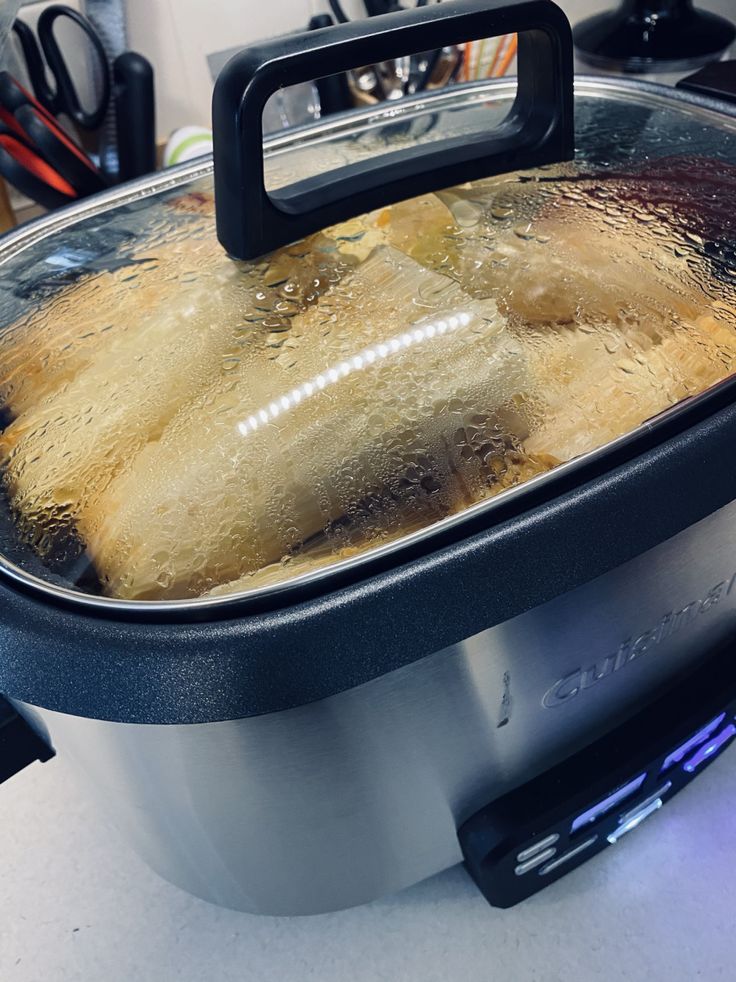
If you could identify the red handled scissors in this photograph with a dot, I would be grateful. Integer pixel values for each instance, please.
(38, 156)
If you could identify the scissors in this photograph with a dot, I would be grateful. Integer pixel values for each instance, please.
(63, 97)
(30, 174)
(38, 156)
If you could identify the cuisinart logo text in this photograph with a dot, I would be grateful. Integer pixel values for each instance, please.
(630, 649)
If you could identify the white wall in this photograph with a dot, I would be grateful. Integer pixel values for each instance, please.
(177, 36)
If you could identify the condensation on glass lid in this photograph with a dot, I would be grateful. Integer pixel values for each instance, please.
(182, 426)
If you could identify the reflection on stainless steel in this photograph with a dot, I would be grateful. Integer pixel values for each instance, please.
(337, 802)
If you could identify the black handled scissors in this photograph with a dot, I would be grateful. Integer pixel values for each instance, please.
(64, 98)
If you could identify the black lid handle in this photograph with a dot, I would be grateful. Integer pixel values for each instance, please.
(538, 130)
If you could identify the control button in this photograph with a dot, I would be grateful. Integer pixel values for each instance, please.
(634, 820)
(633, 812)
(700, 737)
(531, 864)
(566, 857)
(710, 749)
(548, 840)
(600, 808)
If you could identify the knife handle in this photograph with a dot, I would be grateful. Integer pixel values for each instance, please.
(135, 118)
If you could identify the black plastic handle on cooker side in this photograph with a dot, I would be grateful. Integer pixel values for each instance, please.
(20, 745)
(538, 130)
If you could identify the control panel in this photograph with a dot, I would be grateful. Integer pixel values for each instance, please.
(546, 828)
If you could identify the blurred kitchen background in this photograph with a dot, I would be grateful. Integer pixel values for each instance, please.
(185, 39)
(182, 44)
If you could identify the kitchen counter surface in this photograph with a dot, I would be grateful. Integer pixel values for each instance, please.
(77, 906)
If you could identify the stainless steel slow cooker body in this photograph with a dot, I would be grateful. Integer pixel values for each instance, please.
(314, 746)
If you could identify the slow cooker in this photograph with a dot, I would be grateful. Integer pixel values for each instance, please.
(404, 533)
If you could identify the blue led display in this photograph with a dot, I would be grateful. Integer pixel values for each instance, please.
(604, 806)
(700, 737)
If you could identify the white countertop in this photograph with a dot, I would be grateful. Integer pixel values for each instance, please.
(76, 904)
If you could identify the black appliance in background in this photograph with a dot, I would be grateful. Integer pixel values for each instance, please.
(643, 36)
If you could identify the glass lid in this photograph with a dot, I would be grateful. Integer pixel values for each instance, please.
(178, 426)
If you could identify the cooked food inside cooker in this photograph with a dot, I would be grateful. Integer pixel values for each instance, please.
(107, 397)
(189, 426)
(361, 431)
